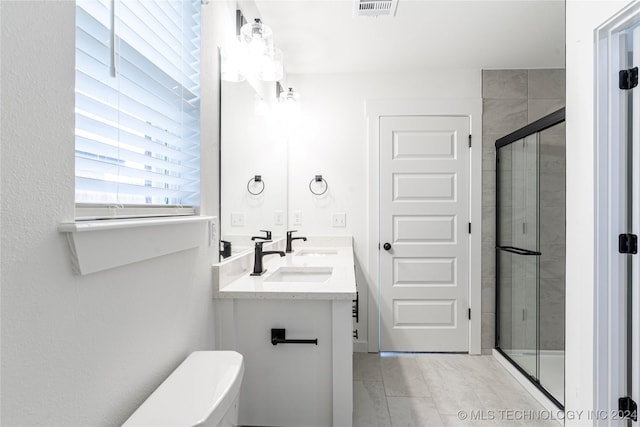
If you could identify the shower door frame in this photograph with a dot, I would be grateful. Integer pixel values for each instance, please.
(546, 122)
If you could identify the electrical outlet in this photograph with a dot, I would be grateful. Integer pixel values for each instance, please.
(237, 219)
(339, 219)
(278, 218)
(297, 217)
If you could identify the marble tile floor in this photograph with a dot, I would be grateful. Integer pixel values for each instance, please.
(420, 389)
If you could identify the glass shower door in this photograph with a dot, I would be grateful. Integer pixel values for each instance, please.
(530, 252)
(552, 261)
(518, 252)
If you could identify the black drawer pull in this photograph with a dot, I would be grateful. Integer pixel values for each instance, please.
(278, 336)
(355, 310)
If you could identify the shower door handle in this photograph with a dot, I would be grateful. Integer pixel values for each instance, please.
(518, 251)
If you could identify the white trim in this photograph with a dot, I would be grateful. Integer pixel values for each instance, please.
(360, 346)
(100, 245)
(341, 363)
(471, 108)
(609, 324)
(635, 268)
(85, 211)
(116, 224)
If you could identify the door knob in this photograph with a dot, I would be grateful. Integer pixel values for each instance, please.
(386, 246)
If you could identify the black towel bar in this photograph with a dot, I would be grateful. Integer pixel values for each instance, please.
(278, 336)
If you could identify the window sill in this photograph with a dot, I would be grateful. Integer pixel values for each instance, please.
(101, 245)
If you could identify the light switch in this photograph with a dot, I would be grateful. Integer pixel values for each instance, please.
(278, 218)
(297, 217)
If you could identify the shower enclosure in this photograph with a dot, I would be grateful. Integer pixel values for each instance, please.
(530, 252)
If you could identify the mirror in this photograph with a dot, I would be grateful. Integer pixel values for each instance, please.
(253, 165)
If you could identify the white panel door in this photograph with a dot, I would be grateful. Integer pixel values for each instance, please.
(424, 216)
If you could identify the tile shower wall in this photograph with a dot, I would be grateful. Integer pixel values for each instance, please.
(511, 100)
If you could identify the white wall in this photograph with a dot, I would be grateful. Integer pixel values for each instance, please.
(84, 350)
(330, 137)
(582, 19)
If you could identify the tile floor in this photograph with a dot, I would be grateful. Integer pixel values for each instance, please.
(440, 390)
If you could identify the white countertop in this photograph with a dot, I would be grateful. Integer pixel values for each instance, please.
(232, 279)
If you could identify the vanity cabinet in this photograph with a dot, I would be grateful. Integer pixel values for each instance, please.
(292, 384)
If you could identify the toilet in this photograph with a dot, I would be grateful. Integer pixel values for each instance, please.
(202, 391)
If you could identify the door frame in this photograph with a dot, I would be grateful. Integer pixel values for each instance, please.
(609, 323)
(471, 108)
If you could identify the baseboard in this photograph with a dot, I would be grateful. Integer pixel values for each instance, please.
(360, 346)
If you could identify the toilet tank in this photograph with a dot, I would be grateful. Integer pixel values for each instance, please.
(202, 391)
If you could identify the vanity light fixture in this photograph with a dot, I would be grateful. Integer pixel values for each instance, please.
(288, 101)
(254, 56)
(232, 56)
(289, 98)
(291, 102)
(257, 38)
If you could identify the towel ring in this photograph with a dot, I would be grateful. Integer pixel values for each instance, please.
(319, 178)
(255, 180)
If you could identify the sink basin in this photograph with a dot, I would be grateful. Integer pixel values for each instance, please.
(317, 252)
(300, 275)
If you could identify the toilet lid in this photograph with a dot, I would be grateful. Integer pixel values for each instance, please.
(200, 390)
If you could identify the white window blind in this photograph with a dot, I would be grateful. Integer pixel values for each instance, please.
(137, 107)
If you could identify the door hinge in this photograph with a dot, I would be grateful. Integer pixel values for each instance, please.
(628, 78)
(469, 314)
(627, 409)
(628, 244)
(469, 228)
(469, 141)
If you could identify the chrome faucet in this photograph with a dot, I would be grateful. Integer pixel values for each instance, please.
(290, 239)
(258, 269)
(265, 238)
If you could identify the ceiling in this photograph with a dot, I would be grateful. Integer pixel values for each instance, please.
(323, 36)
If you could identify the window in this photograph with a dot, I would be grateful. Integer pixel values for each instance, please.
(137, 132)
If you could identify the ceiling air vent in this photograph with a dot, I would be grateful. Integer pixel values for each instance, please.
(375, 8)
